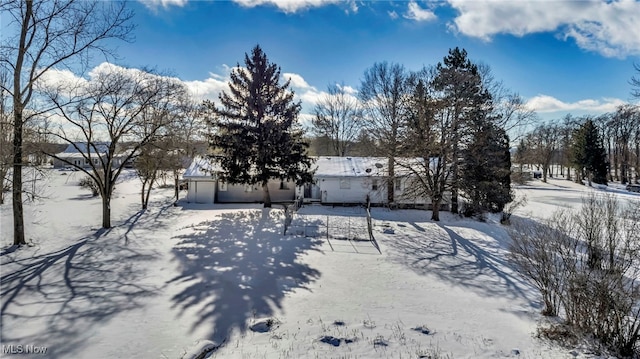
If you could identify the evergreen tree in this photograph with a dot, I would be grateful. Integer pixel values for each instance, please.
(463, 97)
(256, 129)
(486, 170)
(588, 154)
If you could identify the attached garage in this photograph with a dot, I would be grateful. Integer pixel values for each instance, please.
(201, 191)
(201, 179)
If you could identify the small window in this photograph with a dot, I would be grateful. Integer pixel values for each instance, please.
(283, 185)
(345, 183)
(374, 184)
(95, 161)
(222, 186)
(86, 161)
(398, 184)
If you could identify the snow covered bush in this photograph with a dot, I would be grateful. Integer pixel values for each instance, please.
(90, 184)
(586, 266)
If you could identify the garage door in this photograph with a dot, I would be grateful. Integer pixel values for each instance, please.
(205, 192)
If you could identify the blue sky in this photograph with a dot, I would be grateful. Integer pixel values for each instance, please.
(561, 56)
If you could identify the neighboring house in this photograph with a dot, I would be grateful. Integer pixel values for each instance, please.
(205, 186)
(76, 154)
(351, 180)
(79, 154)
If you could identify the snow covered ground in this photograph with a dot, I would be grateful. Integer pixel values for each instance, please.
(173, 280)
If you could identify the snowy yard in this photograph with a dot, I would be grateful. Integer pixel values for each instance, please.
(162, 283)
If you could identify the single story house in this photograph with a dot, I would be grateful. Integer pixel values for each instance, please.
(353, 180)
(336, 181)
(205, 186)
(79, 154)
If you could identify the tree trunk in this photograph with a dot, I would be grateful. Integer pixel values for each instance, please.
(435, 212)
(146, 198)
(142, 192)
(18, 108)
(176, 185)
(392, 181)
(18, 211)
(106, 211)
(454, 180)
(267, 197)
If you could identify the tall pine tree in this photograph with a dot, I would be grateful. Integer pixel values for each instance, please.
(588, 154)
(460, 90)
(256, 130)
(486, 175)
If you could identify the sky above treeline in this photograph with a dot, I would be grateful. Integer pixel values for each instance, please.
(560, 56)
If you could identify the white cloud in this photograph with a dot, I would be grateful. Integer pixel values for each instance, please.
(306, 119)
(547, 104)
(415, 12)
(207, 89)
(608, 27)
(63, 81)
(291, 6)
(155, 4)
(347, 89)
(297, 81)
(393, 14)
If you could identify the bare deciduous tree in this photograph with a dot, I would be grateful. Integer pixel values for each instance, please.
(338, 116)
(429, 135)
(115, 106)
(543, 143)
(586, 265)
(50, 34)
(383, 93)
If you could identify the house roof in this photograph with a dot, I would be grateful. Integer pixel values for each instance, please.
(202, 167)
(324, 166)
(331, 166)
(83, 147)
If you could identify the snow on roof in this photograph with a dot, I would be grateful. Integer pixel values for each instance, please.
(202, 167)
(325, 166)
(331, 166)
(81, 147)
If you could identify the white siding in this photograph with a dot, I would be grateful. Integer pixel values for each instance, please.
(201, 191)
(359, 188)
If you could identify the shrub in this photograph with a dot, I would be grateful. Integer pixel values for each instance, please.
(586, 265)
(90, 184)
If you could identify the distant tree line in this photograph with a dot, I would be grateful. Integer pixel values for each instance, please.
(598, 149)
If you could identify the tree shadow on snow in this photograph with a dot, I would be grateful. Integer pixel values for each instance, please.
(60, 299)
(463, 256)
(238, 267)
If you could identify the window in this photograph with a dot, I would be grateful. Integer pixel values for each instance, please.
(398, 184)
(86, 161)
(374, 184)
(222, 186)
(345, 183)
